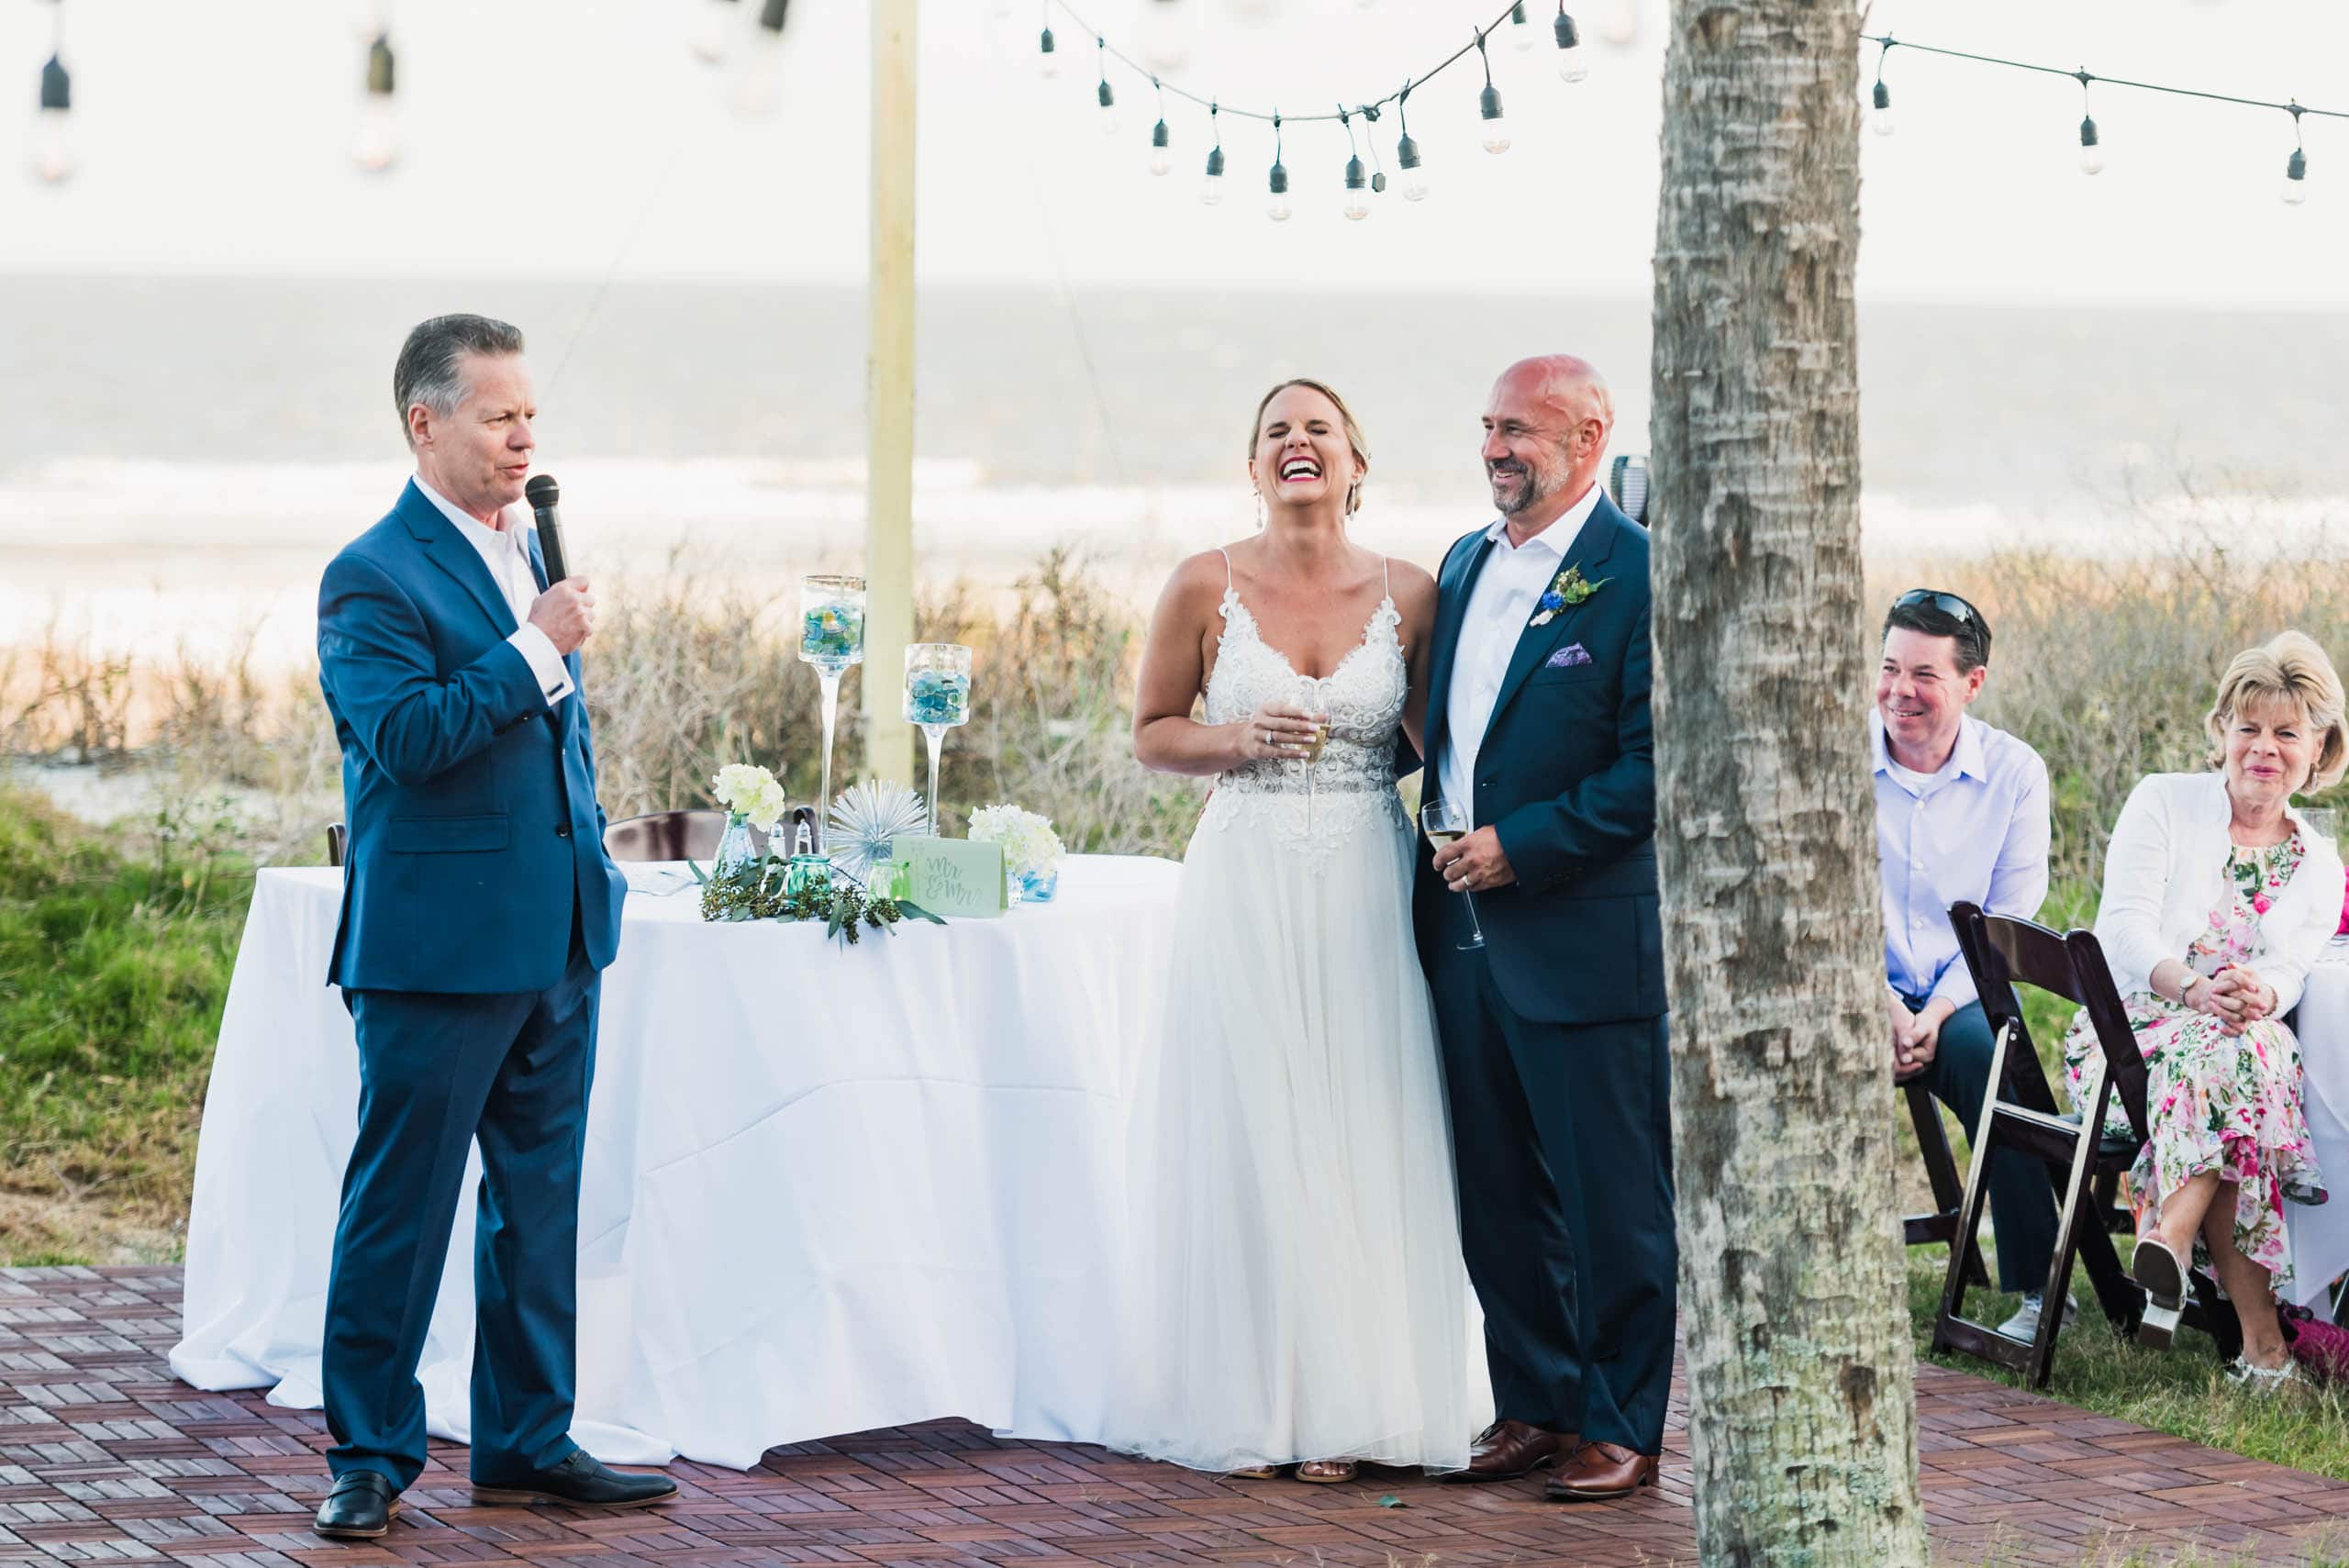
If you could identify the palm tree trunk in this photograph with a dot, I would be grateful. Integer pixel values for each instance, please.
(1801, 1379)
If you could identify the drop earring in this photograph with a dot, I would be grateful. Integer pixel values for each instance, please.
(1259, 511)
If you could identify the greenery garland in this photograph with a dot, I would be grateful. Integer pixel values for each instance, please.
(757, 890)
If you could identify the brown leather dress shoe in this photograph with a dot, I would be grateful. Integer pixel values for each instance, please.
(1598, 1472)
(1510, 1449)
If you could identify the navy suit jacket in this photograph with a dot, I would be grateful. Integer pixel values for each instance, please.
(1567, 775)
(474, 829)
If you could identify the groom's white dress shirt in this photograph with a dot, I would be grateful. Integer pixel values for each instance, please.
(1513, 581)
(506, 553)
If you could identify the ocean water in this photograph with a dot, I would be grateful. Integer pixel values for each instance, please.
(180, 456)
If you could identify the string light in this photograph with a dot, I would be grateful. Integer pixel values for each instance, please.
(1049, 58)
(377, 146)
(1357, 205)
(758, 74)
(52, 159)
(2091, 147)
(1406, 151)
(1211, 188)
(1520, 33)
(1278, 208)
(2295, 167)
(2092, 150)
(1162, 160)
(1107, 96)
(1572, 66)
(1880, 118)
(1489, 104)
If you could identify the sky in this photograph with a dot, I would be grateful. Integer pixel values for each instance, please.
(550, 138)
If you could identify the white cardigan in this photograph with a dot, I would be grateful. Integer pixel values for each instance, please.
(2166, 870)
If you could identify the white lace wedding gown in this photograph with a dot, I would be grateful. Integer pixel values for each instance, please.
(1297, 1286)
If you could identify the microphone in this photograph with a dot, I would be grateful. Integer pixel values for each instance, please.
(544, 494)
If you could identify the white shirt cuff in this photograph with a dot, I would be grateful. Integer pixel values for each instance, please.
(554, 677)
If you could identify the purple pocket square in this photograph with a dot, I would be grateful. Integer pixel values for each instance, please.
(1565, 658)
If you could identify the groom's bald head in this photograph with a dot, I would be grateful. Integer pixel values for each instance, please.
(1545, 435)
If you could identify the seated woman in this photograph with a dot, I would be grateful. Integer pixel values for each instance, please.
(2217, 898)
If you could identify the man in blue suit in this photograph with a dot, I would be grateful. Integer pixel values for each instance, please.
(478, 911)
(1552, 1021)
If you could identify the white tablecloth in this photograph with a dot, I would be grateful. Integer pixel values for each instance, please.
(825, 1191)
(2320, 1235)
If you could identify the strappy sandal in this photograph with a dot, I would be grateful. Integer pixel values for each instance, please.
(2268, 1380)
(1328, 1472)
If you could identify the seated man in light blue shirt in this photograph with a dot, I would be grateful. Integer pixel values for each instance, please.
(1961, 814)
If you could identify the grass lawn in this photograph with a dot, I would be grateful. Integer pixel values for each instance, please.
(2182, 1391)
(114, 967)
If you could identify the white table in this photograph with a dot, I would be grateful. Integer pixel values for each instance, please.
(825, 1191)
(2320, 1235)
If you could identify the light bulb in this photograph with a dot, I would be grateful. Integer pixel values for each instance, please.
(1357, 205)
(1112, 122)
(376, 147)
(53, 147)
(1278, 209)
(1211, 188)
(1572, 66)
(1621, 27)
(1166, 36)
(1880, 118)
(1415, 173)
(52, 158)
(1159, 163)
(2091, 148)
(1521, 31)
(1495, 125)
(709, 28)
(1048, 55)
(757, 68)
(2295, 178)
(1358, 189)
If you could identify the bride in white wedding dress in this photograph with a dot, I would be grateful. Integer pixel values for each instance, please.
(1298, 1292)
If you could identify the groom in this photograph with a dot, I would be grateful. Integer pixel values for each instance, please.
(1554, 1029)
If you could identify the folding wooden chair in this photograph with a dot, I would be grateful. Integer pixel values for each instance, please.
(2022, 1114)
(1941, 1171)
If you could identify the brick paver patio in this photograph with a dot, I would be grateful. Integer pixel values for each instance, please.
(103, 1458)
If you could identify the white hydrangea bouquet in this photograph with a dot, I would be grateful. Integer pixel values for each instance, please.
(750, 794)
(1031, 850)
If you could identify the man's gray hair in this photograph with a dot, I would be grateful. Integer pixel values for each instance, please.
(431, 363)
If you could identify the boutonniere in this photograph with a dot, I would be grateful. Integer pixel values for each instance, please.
(1567, 589)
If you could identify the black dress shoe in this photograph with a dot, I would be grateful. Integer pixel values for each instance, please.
(582, 1480)
(359, 1506)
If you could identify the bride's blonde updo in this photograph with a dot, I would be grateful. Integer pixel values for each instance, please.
(1355, 438)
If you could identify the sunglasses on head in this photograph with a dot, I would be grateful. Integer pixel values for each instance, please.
(1948, 603)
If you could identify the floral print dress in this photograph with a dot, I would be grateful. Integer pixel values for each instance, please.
(2215, 1101)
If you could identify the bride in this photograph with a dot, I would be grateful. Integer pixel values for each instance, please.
(1300, 1296)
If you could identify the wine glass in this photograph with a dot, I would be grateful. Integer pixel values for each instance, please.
(938, 697)
(831, 638)
(1445, 823)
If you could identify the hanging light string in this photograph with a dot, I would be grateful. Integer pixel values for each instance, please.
(1474, 46)
(2085, 76)
(2295, 167)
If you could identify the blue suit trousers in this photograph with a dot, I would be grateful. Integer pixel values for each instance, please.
(436, 1071)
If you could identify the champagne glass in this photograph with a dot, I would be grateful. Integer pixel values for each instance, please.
(1445, 823)
(1308, 697)
(938, 698)
(831, 638)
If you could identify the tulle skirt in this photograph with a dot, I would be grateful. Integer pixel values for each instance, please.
(1296, 1285)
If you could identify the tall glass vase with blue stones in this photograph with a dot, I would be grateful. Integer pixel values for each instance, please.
(831, 638)
(938, 698)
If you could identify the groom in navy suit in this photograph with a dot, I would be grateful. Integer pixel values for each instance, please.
(1552, 1028)
(478, 911)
